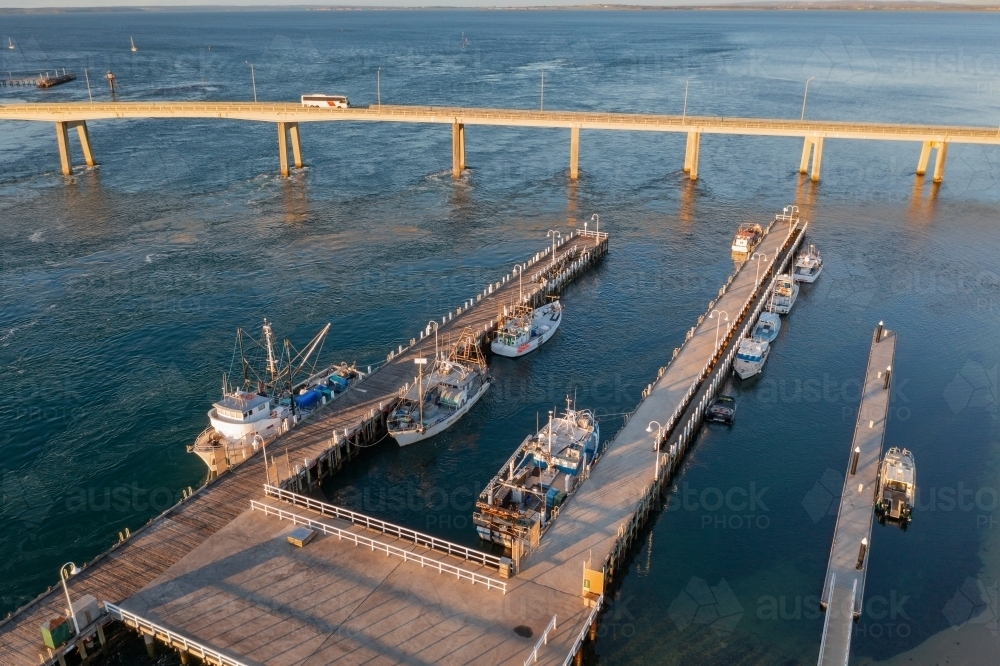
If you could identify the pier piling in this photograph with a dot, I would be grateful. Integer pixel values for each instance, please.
(574, 152)
(691, 154)
(457, 149)
(288, 130)
(812, 145)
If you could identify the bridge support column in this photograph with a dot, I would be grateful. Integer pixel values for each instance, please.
(691, 154)
(284, 130)
(574, 153)
(457, 149)
(925, 152)
(812, 145)
(62, 137)
(81, 131)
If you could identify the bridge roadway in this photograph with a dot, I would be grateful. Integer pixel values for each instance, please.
(250, 596)
(844, 586)
(288, 115)
(127, 567)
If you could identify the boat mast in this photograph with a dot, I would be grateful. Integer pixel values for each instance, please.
(550, 432)
(272, 367)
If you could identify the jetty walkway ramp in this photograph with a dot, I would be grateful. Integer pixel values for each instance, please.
(307, 453)
(844, 587)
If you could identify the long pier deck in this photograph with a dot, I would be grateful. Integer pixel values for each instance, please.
(844, 586)
(312, 453)
(368, 595)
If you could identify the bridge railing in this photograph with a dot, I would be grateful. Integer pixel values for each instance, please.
(174, 639)
(362, 540)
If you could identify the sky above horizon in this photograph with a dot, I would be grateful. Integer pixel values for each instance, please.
(40, 4)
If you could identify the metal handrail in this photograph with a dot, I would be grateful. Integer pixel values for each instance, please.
(175, 639)
(398, 531)
(544, 640)
(583, 632)
(361, 540)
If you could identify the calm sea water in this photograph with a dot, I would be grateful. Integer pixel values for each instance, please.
(121, 288)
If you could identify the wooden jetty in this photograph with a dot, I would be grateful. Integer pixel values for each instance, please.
(238, 598)
(844, 586)
(218, 578)
(314, 449)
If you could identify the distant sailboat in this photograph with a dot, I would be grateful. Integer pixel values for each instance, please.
(10, 44)
(133, 49)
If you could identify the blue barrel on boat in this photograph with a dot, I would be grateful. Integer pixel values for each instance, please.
(308, 399)
(337, 382)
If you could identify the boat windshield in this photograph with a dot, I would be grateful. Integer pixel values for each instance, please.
(748, 357)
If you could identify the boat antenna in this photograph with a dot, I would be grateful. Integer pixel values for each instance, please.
(225, 387)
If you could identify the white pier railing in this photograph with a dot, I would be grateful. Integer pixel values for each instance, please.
(544, 640)
(207, 655)
(583, 632)
(362, 540)
(419, 538)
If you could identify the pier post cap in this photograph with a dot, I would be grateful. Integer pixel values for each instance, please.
(857, 449)
(864, 541)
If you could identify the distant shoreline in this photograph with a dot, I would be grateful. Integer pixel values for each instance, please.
(831, 5)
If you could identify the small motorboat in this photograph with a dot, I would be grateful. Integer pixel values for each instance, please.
(527, 329)
(897, 486)
(808, 265)
(786, 290)
(747, 237)
(722, 410)
(751, 356)
(767, 327)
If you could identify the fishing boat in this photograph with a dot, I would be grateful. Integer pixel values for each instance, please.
(526, 329)
(440, 398)
(767, 326)
(808, 265)
(526, 495)
(133, 49)
(747, 237)
(277, 390)
(751, 355)
(897, 486)
(786, 290)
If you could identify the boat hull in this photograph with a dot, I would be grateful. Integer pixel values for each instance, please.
(810, 278)
(407, 437)
(531, 345)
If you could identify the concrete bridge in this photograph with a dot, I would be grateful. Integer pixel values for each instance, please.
(287, 117)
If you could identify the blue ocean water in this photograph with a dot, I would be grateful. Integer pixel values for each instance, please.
(121, 287)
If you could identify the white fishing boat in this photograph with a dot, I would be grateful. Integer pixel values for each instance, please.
(808, 265)
(526, 495)
(786, 290)
(747, 237)
(751, 355)
(133, 49)
(277, 390)
(526, 329)
(441, 397)
(897, 486)
(767, 326)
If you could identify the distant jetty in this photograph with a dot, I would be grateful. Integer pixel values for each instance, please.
(46, 80)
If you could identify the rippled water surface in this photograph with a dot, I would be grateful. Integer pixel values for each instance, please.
(121, 287)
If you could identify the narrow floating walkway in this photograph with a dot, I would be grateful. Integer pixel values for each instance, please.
(301, 458)
(844, 586)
